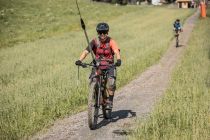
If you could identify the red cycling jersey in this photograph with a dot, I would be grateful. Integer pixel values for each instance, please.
(104, 51)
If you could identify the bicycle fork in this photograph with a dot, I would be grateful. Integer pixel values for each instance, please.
(99, 92)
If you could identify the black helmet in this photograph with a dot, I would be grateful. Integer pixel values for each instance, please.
(102, 27)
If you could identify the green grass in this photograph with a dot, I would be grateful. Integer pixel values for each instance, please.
(39, 79)
(27, 20)
(184, 111)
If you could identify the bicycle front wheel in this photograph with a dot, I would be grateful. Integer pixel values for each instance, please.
(93, 109)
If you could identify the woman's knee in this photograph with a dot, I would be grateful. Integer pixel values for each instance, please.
(111, 83)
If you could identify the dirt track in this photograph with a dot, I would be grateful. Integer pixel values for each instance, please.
(132, 101)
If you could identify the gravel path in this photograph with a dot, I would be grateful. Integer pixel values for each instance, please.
(132, 101)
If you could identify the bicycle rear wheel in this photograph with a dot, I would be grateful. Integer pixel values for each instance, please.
(93, 109)
(106, 112)
(177, 41)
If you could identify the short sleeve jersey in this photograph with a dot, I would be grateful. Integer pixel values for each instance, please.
(94, 45)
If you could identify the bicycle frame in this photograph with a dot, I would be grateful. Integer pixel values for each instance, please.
(97, 95)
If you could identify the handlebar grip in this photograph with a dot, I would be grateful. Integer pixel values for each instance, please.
(83, 65)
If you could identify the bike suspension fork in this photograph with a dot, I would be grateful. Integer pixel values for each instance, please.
(99, 91)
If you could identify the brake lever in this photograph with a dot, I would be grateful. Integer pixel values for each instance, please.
(84, 66)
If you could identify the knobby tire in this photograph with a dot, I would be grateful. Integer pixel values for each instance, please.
(93, 110)
(106, 112)
(177, 41)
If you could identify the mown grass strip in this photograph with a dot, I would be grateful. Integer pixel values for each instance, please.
(27, 20)
(184, 113)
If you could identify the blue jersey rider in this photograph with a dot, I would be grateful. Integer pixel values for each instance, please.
(177, 26)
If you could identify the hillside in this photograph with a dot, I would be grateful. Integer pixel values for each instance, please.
(38, 76)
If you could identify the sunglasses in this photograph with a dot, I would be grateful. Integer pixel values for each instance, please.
(102, 32)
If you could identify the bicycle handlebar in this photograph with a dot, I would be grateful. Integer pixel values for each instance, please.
(84, 65)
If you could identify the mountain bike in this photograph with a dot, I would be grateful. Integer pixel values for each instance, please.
(177, 37)
(98, 95)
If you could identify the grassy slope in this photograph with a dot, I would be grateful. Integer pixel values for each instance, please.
(38, 79)
(27, 20)
(183, 113)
